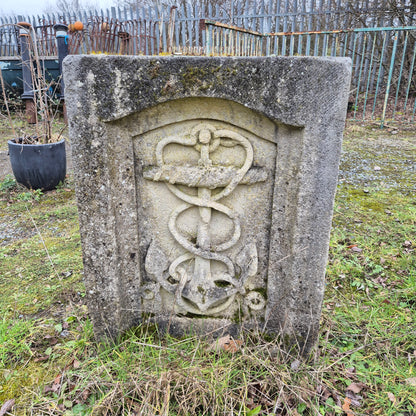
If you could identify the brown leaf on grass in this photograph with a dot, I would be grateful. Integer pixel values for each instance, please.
(47, 389)
(355, 399)
(346, 407)
(323, 392)
(56, 383)
(6, 407)
(42, 358)
(226, 343)
(85, 395)
(350, 372)
(72, 364)
(51, 340)
(356, 387)
(380, 280)
(357, 249)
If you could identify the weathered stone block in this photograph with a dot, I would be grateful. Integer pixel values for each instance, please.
(205, 189)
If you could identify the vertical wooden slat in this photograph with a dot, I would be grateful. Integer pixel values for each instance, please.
(177, 32)
(320, 16)
(163, 24)
(247, 15)
(183, 32)
(151, 29)
(196, 22)
(311, 17)
(261, 27)
(210, 10)
(190, 26)
(278, 16)
(293, 26)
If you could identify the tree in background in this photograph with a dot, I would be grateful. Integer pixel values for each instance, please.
(71, 7)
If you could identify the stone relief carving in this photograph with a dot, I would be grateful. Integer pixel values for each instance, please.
(205, 280)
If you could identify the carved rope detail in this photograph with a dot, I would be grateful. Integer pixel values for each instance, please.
(205, 292)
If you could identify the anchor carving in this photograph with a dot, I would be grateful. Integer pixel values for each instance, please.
(197, 288)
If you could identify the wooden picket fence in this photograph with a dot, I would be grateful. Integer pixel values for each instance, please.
(381, 42)
(151, 28)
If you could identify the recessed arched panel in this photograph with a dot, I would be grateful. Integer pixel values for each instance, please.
(205, 171)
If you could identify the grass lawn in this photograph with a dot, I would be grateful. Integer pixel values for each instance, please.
(364, 363)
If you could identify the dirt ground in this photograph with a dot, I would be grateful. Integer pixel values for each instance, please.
(5, 167)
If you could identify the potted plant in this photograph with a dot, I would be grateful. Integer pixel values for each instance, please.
(38, 158)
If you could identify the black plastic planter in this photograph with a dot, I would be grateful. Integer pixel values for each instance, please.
(39, 166)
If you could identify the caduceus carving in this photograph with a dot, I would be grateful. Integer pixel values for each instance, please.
(190, 277)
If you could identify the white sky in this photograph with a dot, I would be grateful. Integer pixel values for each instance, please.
(35, 7)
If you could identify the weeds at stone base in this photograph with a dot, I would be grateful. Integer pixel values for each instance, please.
(364, 363)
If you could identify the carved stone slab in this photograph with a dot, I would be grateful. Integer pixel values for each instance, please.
(205, 189)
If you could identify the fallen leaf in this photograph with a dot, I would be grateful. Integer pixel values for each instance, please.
(76, 364)
(377, 168)
(356, 387)
(407, 244)
(324, 392)
(391, 397)
(226, 343)
(294, 365)
(51, 340)
(380, 280)
(352, 246)
(346, 407)
(357, 249)
(351, 371)
(40, 359)
(6, 407)
(411, 381)
(47, 389)
(355, 399)
(56, 383)
(85, 395)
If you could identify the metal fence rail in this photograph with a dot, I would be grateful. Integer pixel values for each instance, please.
(383, 61)
(383, 79)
